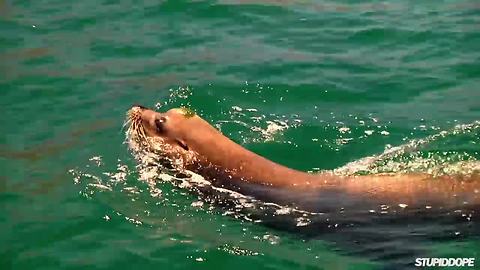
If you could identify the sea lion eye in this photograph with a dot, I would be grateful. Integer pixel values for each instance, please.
(159, 124)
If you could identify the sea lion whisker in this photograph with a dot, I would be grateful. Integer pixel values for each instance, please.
(126, 123)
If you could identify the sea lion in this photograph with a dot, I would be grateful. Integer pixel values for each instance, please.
(191, 143)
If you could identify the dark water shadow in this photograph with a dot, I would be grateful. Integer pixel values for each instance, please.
(393, 238)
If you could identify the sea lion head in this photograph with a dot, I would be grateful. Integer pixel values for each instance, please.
(163, 133)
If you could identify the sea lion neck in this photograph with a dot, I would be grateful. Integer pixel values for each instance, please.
(219, 151)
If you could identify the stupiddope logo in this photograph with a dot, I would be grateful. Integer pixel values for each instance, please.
(445, 262)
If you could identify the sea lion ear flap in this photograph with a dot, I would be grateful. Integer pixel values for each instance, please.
(182, 144)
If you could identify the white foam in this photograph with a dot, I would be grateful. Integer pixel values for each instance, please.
(367, 164)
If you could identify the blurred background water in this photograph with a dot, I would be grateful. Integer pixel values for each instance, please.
(309, 84)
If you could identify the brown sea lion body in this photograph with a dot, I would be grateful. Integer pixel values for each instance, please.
(206, 151)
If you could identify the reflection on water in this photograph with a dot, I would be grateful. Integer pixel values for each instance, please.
(55, 146)
(23, 54)
(330, 6)
(325, 6)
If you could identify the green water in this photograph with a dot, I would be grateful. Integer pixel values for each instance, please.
(310, 84)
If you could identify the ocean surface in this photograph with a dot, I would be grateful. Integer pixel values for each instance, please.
(313, 85)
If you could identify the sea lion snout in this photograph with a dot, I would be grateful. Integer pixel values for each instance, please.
(151, 121)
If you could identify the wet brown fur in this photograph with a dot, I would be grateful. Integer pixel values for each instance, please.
(201, 148)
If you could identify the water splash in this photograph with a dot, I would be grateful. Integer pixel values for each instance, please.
(258, 127)
(409, 158)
